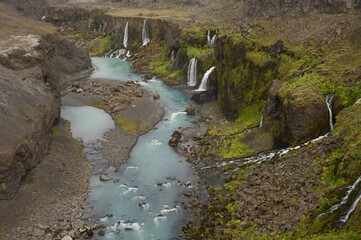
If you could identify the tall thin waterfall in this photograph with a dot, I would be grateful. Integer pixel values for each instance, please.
(125, 38)
(209, 37)
(204, 83)
(145, 34)
(192, 72)
(261, 122)
(172, 55)
(329, 99)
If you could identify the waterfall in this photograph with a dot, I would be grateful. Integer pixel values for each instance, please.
(172, 55)
(145, 34)
(209, 37)
(261, 122)
(329, 99)
(192, 72)
(125, 39)
(210, 40)
(203, 86)
(344, 217)
(213, 39)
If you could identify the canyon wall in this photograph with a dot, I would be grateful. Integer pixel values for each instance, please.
(34, 61)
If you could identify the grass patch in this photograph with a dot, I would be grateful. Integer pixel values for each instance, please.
(249, 117)
(235, 149)
(259, 58)
(75, 36)
(128, 125)
(100, 46)
(56, 131)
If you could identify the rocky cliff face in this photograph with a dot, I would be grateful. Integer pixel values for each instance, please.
(244, 75)
(97, 22)
(33, 61)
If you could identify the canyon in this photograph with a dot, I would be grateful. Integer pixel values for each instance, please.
(278, 138)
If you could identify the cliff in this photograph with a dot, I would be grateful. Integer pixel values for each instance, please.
(33, 61)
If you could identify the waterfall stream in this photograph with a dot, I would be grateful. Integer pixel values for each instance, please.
(329, 100)
(192, 72)
(125, 38)
(204, 83)
(145, 34)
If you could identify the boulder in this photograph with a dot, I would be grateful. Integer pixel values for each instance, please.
(105, 177)
(297, 116)
(67, 238)
(176, 136)
(190, 110)
(156, 96)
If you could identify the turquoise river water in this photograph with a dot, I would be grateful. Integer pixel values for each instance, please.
(145, 199)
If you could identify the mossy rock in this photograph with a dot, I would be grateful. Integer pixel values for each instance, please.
(297, 117)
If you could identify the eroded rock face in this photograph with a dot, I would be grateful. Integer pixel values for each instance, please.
(299, 116)
(31, 67)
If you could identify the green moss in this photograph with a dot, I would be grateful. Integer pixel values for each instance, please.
(75, 36)
(128, 125)
(56, 131)
(249, 117)
(235, 149)
(100, 47)
(259, 58)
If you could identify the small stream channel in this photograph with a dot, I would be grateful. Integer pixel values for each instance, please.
(144, 200)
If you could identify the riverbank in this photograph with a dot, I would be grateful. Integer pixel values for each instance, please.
(134, 109)
(50, 202)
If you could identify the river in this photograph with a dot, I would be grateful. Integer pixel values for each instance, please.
(144, 200)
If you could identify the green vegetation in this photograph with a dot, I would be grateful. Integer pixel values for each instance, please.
(75, 36)
(100, 46)
(56, 131)
(259, 58)
(249, 117)
(128, 125)
(235, 149)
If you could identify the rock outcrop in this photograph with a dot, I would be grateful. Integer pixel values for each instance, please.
(299, 116)
(244, 75)
(33, 61)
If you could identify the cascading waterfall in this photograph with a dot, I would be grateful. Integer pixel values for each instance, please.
(125, 38)
(192, 72)
(145, 34)
(203, 86)
(329, 99)
(344, 217)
